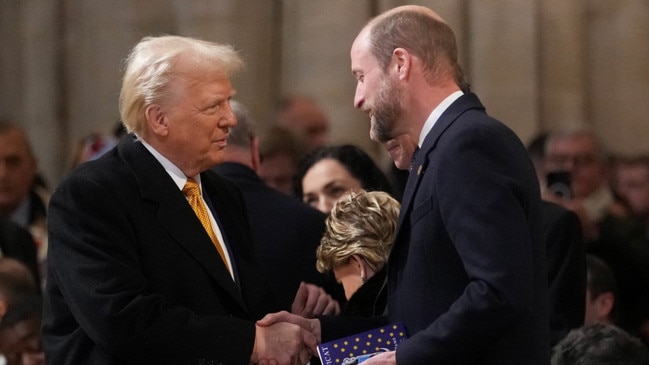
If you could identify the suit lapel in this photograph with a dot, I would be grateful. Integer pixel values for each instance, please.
(175, 214)
(419, 166)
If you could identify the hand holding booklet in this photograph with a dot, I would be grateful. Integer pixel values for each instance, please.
(359, 347)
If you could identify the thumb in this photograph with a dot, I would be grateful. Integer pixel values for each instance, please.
(272, 318)
(310, 342)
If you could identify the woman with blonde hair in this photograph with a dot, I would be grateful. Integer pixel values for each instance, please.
(356, 247)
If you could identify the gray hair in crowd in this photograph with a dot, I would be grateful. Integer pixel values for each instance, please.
(242, 134)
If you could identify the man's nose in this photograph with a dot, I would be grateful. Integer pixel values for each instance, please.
(359, 99)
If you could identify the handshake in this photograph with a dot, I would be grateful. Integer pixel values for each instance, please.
(291, 338)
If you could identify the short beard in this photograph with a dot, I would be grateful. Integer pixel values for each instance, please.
(387, 109)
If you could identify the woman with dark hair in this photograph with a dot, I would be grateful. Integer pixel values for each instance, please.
(327, 173)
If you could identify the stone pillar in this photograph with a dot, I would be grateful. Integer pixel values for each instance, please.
(618, 50)
(562, 66)
(99, 35)
(504, 61)
(250, 26)
(317, 38)
(11, 60)
(30, 91)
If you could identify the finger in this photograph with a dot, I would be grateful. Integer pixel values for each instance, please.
(311, 301)
(332, 309)
(310, 342)
(322, 303)
(303, 356)
(273, 318)
(300, 299)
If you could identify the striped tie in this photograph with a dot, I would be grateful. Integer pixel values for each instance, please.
(193, 194)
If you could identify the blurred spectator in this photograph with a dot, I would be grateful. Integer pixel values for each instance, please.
(18, 290)
(286, 232)
(631, 184)
(91, 147)
(22, 200)
(565, 254)
(328, 173)
(578, 152)
(280, 150)
(356, 247)
(401, 150)
(304, 116)
(566, 266)
(601, 292)
(609, 233)
(536, 150)
(16, 283)
(600, 344)
(20, 333)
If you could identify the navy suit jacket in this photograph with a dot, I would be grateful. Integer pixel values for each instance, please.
(133, 276)
(17, 243)
(286, 232)
(467, 271)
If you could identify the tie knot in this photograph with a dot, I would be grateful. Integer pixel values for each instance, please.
(191, 188)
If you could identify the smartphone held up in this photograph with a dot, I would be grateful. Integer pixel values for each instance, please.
(559, 183)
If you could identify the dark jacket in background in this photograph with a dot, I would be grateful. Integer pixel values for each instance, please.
(17, 243)
(566, 256)
(286, 233)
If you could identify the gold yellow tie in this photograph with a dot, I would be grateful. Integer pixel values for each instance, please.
(193, 194)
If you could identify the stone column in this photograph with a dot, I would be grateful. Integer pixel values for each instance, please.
(504, 61)
(618, 50)
(248, 25)
(317, 38)
(30, 91)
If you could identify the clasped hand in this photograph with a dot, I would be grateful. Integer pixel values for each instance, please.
(291, 338)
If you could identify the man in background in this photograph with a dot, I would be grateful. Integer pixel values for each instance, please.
(306, 118)
(609, 232)
(22, 199)
(286, 231)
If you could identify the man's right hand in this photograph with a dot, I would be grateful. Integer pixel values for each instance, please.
(282, 343)
(309, 325)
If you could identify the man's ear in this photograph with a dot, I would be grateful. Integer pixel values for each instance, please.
(157, 120)
(402, 62)
(605, 303)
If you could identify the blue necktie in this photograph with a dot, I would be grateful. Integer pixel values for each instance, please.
(414, 157)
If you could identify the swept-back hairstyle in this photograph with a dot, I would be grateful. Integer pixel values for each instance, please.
(152, 65)
(362, 223)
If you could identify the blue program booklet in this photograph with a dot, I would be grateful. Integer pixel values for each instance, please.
(361, 346)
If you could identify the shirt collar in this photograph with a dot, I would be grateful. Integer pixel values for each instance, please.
(174, 172)
(436, 113)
